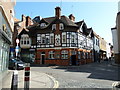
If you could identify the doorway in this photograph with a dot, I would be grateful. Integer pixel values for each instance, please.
(42, 58)
(73, 59)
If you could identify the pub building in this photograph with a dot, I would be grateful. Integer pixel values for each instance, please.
(61, 41)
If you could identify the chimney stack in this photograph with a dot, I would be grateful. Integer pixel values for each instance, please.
(23, 18)
(28, 21)
(71, 17)
(57, 12)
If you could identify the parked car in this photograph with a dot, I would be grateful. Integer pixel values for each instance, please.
(13, 63)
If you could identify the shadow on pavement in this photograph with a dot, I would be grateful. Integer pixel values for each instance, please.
(102, 70)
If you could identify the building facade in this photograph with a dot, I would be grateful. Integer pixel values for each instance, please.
(96, 47)
(116, 37)
(6, 29)
(109, 52)
(62, 41)
(22, 33)
(102, 45)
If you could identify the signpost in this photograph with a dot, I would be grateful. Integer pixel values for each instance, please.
(14, 84)
(17, 50)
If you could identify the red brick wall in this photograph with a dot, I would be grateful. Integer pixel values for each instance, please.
(60, 61)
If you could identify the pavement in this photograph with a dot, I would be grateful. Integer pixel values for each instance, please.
(37, 80)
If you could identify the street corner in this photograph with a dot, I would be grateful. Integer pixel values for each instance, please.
(55, 82)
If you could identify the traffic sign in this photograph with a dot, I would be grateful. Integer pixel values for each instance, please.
(17, 49)
(17, 41)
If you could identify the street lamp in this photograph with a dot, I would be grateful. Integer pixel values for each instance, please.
(17, 51)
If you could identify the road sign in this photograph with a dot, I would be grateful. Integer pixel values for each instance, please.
(17, 41)
(17, 49)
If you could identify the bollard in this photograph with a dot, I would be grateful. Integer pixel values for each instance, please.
(116, 86)
(14, 84)
(27, 76)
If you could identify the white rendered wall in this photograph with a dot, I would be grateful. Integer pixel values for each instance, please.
(115, 41)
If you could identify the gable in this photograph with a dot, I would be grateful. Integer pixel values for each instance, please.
(24, 31)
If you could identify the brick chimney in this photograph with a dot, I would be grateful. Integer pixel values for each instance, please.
(57, 12)
(23, 21)
(71, 17)
(28, 21)
(23, 18)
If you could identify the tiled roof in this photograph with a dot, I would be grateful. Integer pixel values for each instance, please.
(64, 19)
(79, 23)
(16, 20)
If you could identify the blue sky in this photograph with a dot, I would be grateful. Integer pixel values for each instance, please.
(101, 16)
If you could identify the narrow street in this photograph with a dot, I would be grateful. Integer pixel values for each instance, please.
(94, 75)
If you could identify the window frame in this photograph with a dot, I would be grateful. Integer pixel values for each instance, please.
(51, 54)
(61, 26)
(54, 27)
(64, 53)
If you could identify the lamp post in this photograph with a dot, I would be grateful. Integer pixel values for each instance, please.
(17, 51)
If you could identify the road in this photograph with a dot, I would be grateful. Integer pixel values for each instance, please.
(94, 75)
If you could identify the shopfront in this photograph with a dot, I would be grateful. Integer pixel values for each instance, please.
(5, 41)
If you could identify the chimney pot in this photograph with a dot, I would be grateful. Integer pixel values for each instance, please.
(71, 17)
(57, 12)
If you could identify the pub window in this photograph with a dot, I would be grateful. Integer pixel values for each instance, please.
(61, 26)
(72, 38)
(42, 25)
(47, 40)
(79, 55)
(64, 54)
(51, 54)
(54, 27)
(83, 54)
(43, 40)
(64, 38)
(51, 39)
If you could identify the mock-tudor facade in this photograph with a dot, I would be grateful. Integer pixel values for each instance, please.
(61, 41)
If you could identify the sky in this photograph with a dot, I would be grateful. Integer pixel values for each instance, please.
(101, 16)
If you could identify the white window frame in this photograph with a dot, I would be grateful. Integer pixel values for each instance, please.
(42, 24)
(25, 39)
(64, 39)
(51, 54)
(61, 27)
(54, 27)
(51, 39)
(47, 40)
(43, 38)
(64, 53)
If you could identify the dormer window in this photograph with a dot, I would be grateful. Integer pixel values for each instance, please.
(61, 26)
(42, 24)
(54, 27)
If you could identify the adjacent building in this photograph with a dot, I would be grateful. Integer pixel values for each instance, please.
(102, 46)
(116, 37)
(6, 29)
(22, 33)
(96, 47)
(109, 52)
